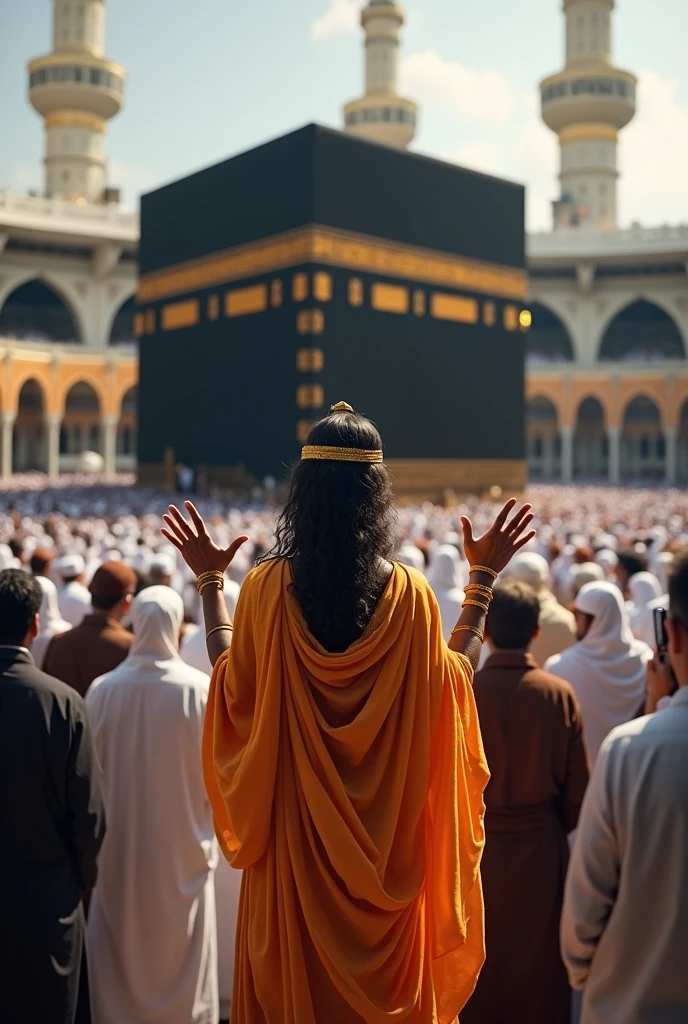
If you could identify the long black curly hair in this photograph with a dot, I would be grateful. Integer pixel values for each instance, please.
(338, 529)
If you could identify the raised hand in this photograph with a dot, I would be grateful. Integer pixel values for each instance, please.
(199, 550)
(501, 542)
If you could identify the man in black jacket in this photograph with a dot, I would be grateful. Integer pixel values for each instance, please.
(51, 824)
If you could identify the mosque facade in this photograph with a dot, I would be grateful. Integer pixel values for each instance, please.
(607, 381)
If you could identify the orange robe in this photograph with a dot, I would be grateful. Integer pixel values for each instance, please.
(349, 787)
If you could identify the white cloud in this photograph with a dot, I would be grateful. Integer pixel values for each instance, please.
(498, 130)
(341, 18)
(525, 151)
(475, 95)
(653, 155)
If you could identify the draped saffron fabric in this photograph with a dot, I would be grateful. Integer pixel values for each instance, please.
(349, 787)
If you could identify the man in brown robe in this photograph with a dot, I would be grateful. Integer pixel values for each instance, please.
(533, 737)
(100, 643)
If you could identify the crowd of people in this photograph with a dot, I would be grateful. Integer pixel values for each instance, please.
(584, 727)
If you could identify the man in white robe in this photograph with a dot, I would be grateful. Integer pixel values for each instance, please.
(72, 595)
(152, 926)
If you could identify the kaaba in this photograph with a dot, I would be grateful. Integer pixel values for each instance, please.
(320, 267)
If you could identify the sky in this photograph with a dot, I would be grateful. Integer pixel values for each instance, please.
(210, 78)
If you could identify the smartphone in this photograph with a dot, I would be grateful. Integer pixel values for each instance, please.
(661, 639)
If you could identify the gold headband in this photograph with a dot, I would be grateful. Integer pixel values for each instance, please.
(330, 454)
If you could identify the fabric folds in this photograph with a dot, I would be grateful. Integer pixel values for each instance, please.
(349, 788)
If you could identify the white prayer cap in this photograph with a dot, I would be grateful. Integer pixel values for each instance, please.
(69, 566)
(530, 568)
(588, 572)
(163, 563)
(607, 558)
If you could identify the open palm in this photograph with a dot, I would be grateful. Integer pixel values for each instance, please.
(199, 550)
(501, 542)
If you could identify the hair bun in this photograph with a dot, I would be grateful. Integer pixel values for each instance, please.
(341, 407)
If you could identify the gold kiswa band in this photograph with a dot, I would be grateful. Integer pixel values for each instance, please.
(328, 453)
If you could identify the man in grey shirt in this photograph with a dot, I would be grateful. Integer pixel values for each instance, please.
(625, 919)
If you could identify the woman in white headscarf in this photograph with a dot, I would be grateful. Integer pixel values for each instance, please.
(50, 622)
(152, 922)
(607, 668)
(644, 589)
(444, 578)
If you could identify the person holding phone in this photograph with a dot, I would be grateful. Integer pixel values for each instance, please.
(661, 681)
(625, 920)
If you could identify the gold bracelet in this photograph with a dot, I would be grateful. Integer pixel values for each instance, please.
(483, 568)
(211, 574)
(478, 588)
(209, 583)
(206, 578)
(217, 629)
(476, 604)
(469, 629)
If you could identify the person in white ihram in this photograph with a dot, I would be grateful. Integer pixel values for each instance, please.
(72, 595)
(152, 925)
(625, 921)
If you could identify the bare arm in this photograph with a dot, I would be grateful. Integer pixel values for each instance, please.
(202, 554)
(493, 551)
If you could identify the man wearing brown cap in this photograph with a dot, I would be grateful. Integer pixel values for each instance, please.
(100, 643)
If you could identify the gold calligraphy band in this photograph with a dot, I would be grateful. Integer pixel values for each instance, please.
(331, 454)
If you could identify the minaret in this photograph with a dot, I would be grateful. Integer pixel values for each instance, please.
(382, 115)
(76, 91)
(587, 104)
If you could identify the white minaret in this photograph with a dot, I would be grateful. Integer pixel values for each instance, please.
(76, 91)
(587, 104)
(382, 115)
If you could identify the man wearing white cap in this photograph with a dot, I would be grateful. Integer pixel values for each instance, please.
(72, 596)
(557, 624)
(161, 570)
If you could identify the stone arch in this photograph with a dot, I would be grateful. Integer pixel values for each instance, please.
(38, 308)
(29, 439)
(121, 321)
(643, 452)
(38, 373)
(81, 376)
(548, 339)
(542, 436)
(81, 421)
(549, 389)
(590, 441)
(643, 330)
(646, 393)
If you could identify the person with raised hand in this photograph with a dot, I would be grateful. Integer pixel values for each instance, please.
(342, 752)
